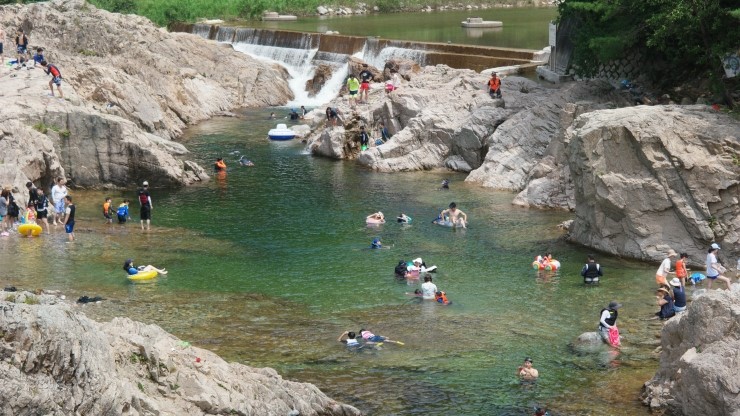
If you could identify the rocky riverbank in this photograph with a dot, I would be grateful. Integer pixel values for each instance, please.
(700, 359)
(640, 179)
(129, 87)
(56, 361)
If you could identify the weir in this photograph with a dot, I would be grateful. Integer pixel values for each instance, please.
(302, 52)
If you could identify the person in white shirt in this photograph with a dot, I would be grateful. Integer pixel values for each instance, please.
(714, 269)
(58, 192)
(349, 338)
(428, 289)
(661, 276)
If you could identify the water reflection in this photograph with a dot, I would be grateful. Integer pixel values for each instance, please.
(478, 32)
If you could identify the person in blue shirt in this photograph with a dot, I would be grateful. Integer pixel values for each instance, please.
(129, 267)
(122, 212)
(38, 57)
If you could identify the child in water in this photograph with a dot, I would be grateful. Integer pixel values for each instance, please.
(122, 212)
(108, 210)
(128, 265)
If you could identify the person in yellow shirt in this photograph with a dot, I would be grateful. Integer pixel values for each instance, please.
(353, 86)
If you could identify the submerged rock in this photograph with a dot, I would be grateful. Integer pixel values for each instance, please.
(57, 361)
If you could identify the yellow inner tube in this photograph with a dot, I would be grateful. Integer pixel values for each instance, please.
(151, 274)
(30, 229)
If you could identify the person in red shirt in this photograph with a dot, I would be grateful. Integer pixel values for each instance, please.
(56, 77)
(681, 271)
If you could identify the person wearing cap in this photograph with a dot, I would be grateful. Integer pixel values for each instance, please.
(145, 202)
(714, 269)
(591, 271)
(494, 86)
(526, 371)
(661, 276)
(428, 289)
(679, 295)
(665, 301)
(608, 319)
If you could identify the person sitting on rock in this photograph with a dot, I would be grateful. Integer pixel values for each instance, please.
(364, 138)
(665, 301)
(494, 86)
(332, 115)
(526, 371)
(679, 295)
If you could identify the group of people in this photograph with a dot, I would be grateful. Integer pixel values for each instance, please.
(359, 89)
(26, 60)
(38, 209)
(122, 212)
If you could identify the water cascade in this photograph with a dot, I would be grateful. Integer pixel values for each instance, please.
(301, 53)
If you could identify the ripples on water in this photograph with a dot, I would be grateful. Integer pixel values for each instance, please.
(270, 264)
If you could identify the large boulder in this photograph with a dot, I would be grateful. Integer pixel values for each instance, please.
(56, 361)
(651, 178)
(700, 359)
(129, 88)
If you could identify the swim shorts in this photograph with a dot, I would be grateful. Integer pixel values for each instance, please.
(146, 213)
(121, 219)
(57, 81)
(376, 338)
(69, 227)
(106, 215)
(712, 277)
(41, 214)
(21, 49)
(59, 206)
(352, 93)
(364, 86)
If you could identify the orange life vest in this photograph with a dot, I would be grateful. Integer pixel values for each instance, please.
(494, 83)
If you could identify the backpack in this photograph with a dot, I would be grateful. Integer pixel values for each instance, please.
(143, 198)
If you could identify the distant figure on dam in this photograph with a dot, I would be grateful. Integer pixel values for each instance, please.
(494, 86)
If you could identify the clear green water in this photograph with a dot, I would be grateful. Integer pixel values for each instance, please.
(270, 264)
(525, 28)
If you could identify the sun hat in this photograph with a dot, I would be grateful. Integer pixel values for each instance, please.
(662, 289)
(675, 282)
(715, 246)
(614, 305)
(671, 253)
(417, 260)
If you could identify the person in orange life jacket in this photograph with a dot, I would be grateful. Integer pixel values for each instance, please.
(441, 297)
(608, 319)
(494, 86)
(220, 165)
(682, 273)
(56, 77)
(145, 201)
(591, 271)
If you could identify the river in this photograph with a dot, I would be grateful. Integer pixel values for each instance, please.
(269, 264)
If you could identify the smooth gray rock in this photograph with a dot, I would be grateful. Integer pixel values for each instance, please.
(700, 359)
(56, 361)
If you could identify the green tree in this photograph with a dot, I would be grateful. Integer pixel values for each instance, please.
(682, 38)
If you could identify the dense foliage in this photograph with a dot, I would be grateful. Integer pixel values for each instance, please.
(677, 39)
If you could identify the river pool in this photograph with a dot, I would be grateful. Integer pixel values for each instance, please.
(269, 264)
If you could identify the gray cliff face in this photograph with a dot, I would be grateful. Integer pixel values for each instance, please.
(56, 361)
(130, 89)
(700, 359)
(648, 179)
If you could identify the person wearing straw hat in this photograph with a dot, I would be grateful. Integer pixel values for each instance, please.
(665, 269)
(665, 301)
(679, 295)
(714, 269)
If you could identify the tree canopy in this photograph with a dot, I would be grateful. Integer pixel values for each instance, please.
(680, 38)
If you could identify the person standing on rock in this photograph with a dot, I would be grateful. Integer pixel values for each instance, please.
(714, 269)
(365, 76)
(608, 320)
(591, 271)
(56, 77)
(145, 202)
(383, 131)
(665, 269)
(494, 86)
(364, 138)
(58, 192)
(21, 45)
(353, 86)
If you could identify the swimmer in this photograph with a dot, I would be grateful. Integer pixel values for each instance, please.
(376, 243)
(370, 337)
(403, 218)
(445, 184)
(441, 297)
(245, 162)
(129, 267)
(376, 217)
(349, 338)
(456, 216)
(428, 289)
(526, 371)
(220, 165)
